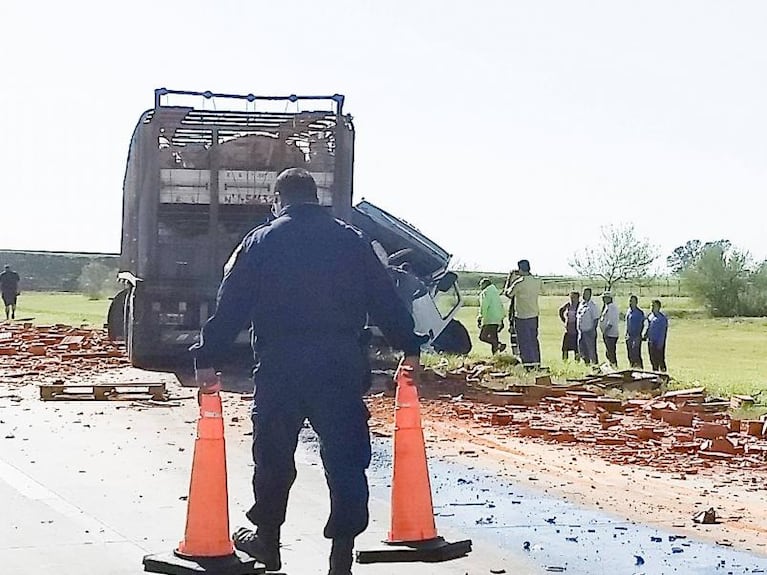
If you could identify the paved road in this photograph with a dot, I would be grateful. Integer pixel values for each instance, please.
(89, 488)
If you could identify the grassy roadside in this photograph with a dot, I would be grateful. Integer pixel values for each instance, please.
(69, 308)
(725, 355)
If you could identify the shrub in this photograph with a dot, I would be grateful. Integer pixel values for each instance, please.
(97, 279)
(722, 280)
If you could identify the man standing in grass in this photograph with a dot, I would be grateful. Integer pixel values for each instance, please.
(490, 315)
(634, 326)
(657, 329)
(567, 313)
(586, 320)
(9, 286)
(608, 323)
(524, 288)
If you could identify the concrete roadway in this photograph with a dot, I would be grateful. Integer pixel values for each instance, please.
(89, 488)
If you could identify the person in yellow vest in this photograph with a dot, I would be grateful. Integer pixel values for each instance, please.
(525, 288)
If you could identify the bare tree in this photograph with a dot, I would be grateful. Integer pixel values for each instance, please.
(619, 256)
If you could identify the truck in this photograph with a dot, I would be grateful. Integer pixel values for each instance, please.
(200, 174)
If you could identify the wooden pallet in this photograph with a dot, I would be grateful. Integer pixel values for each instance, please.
(102, 391)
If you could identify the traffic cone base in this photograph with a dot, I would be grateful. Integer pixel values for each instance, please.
(172, 564)
(430, 551)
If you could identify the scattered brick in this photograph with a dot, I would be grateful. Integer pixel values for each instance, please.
(676, 417)
(754, 428)
(711, 431)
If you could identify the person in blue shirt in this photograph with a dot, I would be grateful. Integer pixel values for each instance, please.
(657, 330)
(635, 320)
(306, 284)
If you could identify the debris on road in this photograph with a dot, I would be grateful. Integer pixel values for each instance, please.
(102, 392)
(680, 431)
(33, 352)
(707, 517)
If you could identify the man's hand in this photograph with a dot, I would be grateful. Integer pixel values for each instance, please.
(412, 363)
(208, 380)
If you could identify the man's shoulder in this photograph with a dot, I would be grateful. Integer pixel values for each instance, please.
(257, 233)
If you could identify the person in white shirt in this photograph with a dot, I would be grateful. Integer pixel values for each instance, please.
(608, 323)
(586, 320)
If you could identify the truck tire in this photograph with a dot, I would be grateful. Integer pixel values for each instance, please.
(454, 339)
(116, 316)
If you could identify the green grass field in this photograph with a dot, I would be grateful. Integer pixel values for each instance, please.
(726, 355)
(69, 308)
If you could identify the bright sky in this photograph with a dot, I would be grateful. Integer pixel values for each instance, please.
(502, 130)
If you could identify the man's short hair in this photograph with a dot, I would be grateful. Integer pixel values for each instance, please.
(575, 293)
(296, 186)
(587, 289)
(523, 265)
(484, 282)
(656, 301)
(632, 296)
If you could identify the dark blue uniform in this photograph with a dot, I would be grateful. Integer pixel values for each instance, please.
(307, 283)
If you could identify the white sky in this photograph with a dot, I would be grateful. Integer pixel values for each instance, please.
(503, 130)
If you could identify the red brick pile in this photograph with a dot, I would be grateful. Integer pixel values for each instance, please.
(56, 350)
(674, 432)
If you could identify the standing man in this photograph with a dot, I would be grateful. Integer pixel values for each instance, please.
(9, 286)
(490, 315)
(634, 327)
(657, 329)
(586, 320)
(608, 323)
(525, 288)
(567, 314)
(305, 283)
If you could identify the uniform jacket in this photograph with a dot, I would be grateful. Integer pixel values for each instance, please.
(301, 279)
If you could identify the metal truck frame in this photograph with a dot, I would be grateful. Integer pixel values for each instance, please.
(197, 179)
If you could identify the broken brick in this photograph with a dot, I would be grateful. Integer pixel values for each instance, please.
(711, 431)
(564, 437)
(722, 445)
(676, 417)
(534, 432)
(754, 428)
(500, 418)
(594, 404)
(645, 433)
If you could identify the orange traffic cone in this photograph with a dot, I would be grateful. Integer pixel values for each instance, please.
(412, 512)
(207, 515)
(412, 531)
(207, 546)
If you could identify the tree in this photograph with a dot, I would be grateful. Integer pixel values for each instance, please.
(619, 256)
(95, 279)
(683, 257)
(720, 278)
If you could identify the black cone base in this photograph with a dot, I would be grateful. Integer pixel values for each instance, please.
(234, 564)
(430, 551)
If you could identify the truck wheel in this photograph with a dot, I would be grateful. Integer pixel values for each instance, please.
(453, 339)
(129, 328)
(116, 316)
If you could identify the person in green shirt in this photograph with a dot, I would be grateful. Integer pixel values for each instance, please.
(490, 316)
(524, 288)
